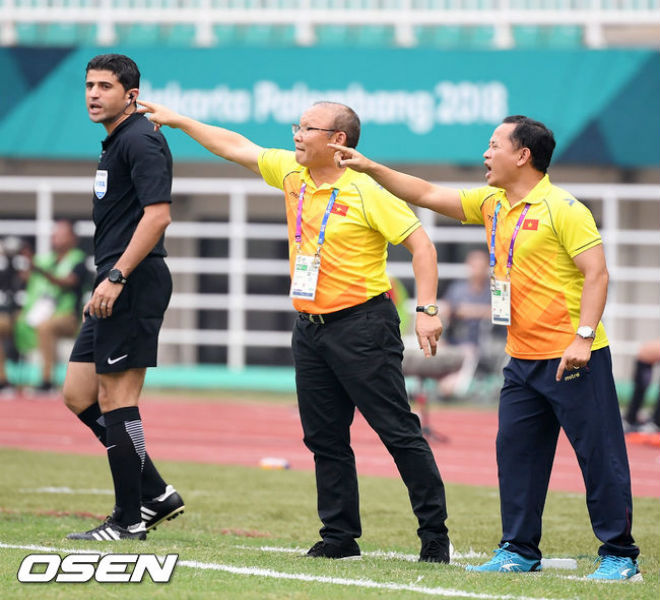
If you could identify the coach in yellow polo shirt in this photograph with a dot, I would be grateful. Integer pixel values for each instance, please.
(548, 285)
(346, 342)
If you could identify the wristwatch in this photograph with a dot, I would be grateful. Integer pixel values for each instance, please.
(429, 309)
(586, 332)
(116, 276)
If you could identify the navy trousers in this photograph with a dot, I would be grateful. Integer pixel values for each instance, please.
(533, 406)
(356, 362)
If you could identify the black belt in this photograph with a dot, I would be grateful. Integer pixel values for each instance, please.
(340, 314)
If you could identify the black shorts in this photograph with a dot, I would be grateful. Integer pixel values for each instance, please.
(129, 338)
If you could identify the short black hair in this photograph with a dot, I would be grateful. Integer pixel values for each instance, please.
(346, 120)
(122, 66)
(534, 135)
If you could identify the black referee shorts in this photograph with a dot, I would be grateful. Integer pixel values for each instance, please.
(129, 338)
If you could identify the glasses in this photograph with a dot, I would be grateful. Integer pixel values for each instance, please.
(295, 128)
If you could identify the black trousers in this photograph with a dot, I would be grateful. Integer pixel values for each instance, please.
(355, 361)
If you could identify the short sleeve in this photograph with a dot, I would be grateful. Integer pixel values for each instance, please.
(472, 201)
(151, 167)
(389, 215)
(275, 164)
(576, 227)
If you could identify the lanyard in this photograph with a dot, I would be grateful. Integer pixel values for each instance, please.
(324, 222)
(509, 262)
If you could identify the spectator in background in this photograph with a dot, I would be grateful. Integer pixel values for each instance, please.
(647, 356)
(53, 299)
(469, 333)
(465, 307)
(10, 283)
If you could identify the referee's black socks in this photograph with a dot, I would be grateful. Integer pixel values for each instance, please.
(125, 445)
(153, 484)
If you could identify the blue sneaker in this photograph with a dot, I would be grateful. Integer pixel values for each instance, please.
(506, 561)
(616, 568)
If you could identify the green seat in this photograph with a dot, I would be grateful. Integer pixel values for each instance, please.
(137, 34)
(27, 34)
(332, 35)
(438, 36)
(178, 35)
(58, 34)
(372, 36)
(564, 36)
(479, 38)
(225, 35)
(87, 34)
(526, 36)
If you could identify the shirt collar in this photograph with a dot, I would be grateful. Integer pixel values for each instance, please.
(342, 183)
(537, 194)
(116, 130)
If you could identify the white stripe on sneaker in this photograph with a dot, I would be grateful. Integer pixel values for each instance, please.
(104, 535)
(112, 533)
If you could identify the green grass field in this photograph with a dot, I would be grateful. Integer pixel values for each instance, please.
(245, 522)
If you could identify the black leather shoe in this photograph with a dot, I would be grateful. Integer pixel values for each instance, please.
(324, 549)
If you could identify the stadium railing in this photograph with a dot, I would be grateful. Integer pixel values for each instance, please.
(497, 23)
(632, 254)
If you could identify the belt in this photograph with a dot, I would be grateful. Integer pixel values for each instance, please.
(345, 312)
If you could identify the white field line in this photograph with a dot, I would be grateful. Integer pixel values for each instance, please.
(269, 573)
(569, 564)
(377, 553)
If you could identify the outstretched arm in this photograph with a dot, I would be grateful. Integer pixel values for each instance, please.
(225, 143)
(414, 190)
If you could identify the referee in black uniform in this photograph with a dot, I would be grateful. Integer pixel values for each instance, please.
(119, 336)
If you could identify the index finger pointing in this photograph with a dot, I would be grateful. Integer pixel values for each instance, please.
(148, 106)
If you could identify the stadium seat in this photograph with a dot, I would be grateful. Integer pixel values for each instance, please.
(557, 36)
(137, 34)
(442, 36)
(332, 35)
(178, 35)
(565, 36)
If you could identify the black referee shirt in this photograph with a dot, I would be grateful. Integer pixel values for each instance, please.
(134, 171)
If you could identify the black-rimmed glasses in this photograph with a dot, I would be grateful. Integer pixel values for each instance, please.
(295, 128)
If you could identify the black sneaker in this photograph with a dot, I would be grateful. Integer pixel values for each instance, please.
(435, 550)
(7, 389)
(324, 549)
(110, 531)
(46, 389)
(165, 507)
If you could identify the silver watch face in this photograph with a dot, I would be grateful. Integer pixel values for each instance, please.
(431, 310)
(586, 332)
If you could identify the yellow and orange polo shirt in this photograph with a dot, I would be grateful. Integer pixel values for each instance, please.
(364, 218)
(546, 286)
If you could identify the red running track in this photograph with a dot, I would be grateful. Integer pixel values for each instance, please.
(244, 433)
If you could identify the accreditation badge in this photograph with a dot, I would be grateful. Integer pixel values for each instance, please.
(500, 302)
(305, 276)
(101, 183)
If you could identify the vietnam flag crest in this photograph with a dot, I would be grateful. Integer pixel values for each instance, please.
(531, 224)
(339, 209)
